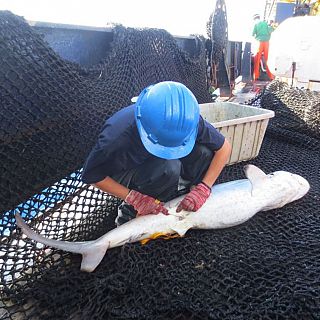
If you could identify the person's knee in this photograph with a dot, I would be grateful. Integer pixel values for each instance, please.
(204, 153)
(196, 164)
(158, 180)
(170, 172)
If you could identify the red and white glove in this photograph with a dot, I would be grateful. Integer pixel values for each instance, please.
(145, 204)
(195, 199)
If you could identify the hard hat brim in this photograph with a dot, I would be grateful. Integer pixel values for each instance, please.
(165, 152)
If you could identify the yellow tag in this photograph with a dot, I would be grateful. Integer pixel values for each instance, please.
(159, 235)
(156, 201)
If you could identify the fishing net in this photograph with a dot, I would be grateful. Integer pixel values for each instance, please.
(51, 113)
(217, 31)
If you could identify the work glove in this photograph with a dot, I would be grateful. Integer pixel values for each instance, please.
(145, 204)
(195, 199)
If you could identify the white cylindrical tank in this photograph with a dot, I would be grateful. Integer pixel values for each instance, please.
(296, 40)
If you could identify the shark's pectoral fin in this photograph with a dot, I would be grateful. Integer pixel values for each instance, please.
(255, 175)
(182, 226)
(92, 256)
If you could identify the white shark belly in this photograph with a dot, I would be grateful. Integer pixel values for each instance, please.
(230, 204)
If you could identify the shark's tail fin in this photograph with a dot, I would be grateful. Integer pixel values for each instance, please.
(92, 251)
(93, 254)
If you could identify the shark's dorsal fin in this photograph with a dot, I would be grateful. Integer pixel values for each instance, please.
(255, 175)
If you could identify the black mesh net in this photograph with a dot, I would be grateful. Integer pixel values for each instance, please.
(219, 31)
(51, 114)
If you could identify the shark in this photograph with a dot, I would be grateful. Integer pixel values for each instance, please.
(231, 203)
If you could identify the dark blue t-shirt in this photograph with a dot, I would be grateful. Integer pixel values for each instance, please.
(119, 147)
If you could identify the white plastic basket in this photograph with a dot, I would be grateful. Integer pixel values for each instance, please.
(243, 126)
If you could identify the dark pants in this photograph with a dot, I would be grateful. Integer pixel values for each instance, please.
(159, 178)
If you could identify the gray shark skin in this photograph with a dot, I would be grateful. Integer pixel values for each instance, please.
(229, 204)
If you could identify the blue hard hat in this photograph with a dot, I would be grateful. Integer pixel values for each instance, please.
(167, 117)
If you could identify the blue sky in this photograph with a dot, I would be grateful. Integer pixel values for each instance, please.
(179, 17)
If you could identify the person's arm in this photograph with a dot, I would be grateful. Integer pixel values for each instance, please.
(195, 199)
(218, 162)
(270, 29)
(254, 32)
(113, 187)
(143, 203)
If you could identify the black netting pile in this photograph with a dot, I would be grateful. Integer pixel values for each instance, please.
(51, 113)
(298, 111)
(219, 31)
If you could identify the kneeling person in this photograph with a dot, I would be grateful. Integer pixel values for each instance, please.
(145, 148)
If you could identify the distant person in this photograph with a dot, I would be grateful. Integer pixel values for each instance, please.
(262, 33)
(144, 149)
